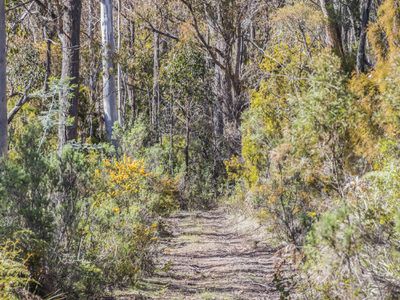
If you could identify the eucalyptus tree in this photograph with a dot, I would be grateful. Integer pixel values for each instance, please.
(155, 103)
(346, 26)
(109, 91)
(223, 29)
(361, 52)
(333, 31)
(69, 33)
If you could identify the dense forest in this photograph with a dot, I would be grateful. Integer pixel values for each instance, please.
(117, 114)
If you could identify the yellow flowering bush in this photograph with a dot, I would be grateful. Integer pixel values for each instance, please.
(127, 175)
(122, 225)
(127, 182)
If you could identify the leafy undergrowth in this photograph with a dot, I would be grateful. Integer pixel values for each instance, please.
(320, 156)
(79, 223)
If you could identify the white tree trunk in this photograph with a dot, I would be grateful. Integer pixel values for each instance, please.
(3, 99)
(109, 92)
(121, 104)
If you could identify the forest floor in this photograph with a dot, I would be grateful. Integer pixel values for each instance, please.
(211, 255)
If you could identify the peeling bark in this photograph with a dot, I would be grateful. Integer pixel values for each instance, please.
(109, 92)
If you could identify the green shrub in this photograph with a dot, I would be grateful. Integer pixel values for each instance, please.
(353, 250)
(83, 221)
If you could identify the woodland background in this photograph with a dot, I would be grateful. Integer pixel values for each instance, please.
(116, 113)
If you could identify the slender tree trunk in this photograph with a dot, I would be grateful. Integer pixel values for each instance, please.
(187, 143)
(48, 64)
(120, 100)
(92, 69)
(3, 83)
(229, 91)
(109, 93)
(366, 8)
(239, 57)
(222, 90)
(48, 35)
(218, 106)
(131, 74)
(171, 137)
(70, 44)
(156, 85)
(216, 109)
(238, 98)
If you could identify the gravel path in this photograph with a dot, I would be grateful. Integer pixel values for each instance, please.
(211, 255)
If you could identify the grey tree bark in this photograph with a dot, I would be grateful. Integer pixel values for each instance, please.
(120, 98)
(332, 28)
(3, 98)
(49, 34)
(109, 92)
(94, 70)
(156, 85)
(361, 56)
(171, 137)
(229, 43)
(187, 142)
(131, 74)
(69, 34)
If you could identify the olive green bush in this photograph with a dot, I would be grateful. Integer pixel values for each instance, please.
(83, 218)
(320, 163)
(353, 249)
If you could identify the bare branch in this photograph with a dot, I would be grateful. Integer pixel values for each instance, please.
(211, 50)
(23, 100)
(154, 29)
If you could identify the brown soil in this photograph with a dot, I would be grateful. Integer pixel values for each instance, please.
(211, 255)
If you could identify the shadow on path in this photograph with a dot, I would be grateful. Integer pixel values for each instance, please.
(210, 255)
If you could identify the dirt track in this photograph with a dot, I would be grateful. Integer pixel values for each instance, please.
(211, 255)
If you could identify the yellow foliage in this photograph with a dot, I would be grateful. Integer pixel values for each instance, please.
(312, 214)
(14, 273)
(384, 33)
(125, 176)
(363, 136)
(298, 22)
(129, 183)
(233, 167)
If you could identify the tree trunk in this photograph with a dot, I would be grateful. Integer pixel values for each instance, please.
(171, 137)
(228, 40)
(49, 35)
(70, 44)
(218, 117)
(3, 83)
(156, 85)
(120, 100)
(187, 144)
(110, 107)
(332, 28)
(131, 74)
(92, 71)
(366, 8)
(216, 108)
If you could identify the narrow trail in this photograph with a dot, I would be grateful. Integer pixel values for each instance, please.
(211, 255)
